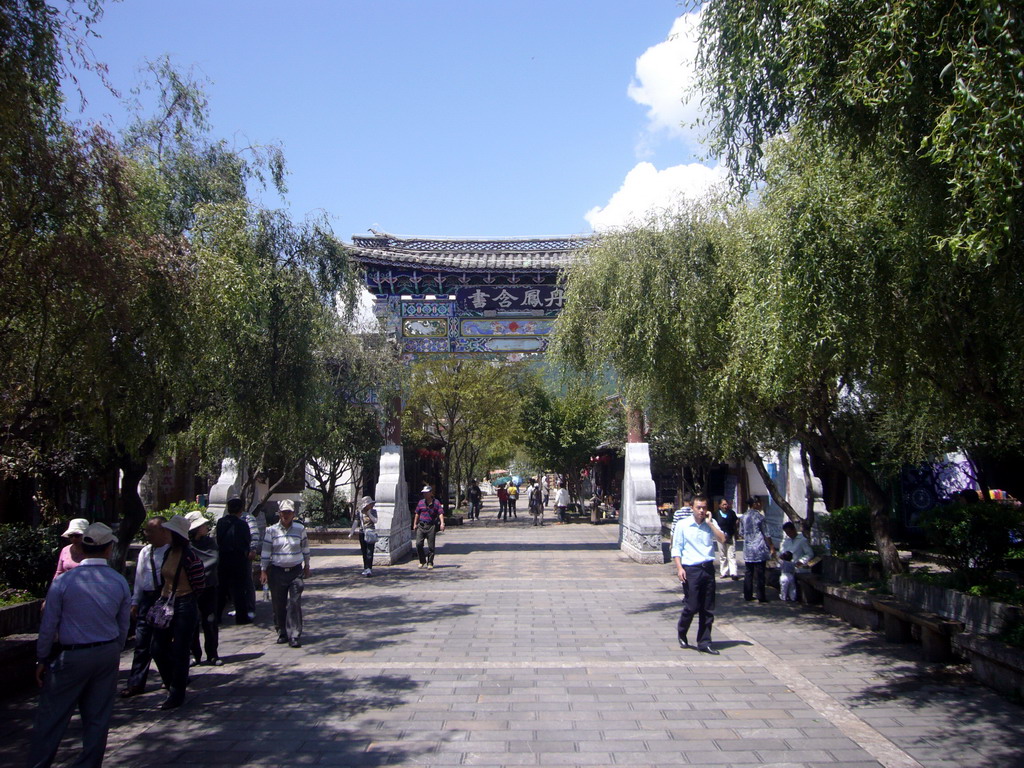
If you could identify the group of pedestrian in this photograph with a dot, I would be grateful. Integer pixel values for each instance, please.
(696, 535)
(183, 576)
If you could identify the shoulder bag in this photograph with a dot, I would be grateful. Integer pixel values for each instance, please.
(161, 614)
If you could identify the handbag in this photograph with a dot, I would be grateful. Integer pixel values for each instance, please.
(161, 613)
(370, 536)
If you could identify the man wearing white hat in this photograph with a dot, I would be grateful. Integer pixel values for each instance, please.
(88, 610)
(71, 555)
(426, 521)
(284, 563)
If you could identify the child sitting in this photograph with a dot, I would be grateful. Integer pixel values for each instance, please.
(787, 577)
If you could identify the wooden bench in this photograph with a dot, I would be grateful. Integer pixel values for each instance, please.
(812, 588)
(937, 631)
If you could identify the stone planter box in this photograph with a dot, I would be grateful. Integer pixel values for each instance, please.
(840, 570)
(20, 619)
(995, 664)
(852, 606)
(978, 614)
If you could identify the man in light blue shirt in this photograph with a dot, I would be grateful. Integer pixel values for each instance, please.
(693, 551)
(83, 630)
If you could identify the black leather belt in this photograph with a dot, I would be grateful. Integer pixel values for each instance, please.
(83, 646)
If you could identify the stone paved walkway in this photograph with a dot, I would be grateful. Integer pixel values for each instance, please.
(543, 646)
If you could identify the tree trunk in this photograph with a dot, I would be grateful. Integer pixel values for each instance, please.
(133, 511)
(832, 449)
(808, 491)
(773, 490)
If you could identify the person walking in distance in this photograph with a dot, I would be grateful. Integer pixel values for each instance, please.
(757, 548)
(234, 542)
(502, 494)
(284, 563)
(535, 498)
(475, 497)
(513, 497)
(83, 629)
(427, 520)
(725, 518)
(364, 522)
(561, 502)
(693, 552)
(147, 588)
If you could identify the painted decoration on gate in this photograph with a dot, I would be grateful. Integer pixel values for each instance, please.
(423, 326)
(507, 327)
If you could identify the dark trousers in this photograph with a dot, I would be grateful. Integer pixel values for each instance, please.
(753, 581)
(474, 509)
(502, 509)
(171, 646)
(425, 533)
(699, 599)
(206, 603)
(366, 549)
(234, 574)
(512, 507)
(286, 598)
(143, 654)
(86, 679)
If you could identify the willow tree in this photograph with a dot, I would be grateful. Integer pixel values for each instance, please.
(931, 91)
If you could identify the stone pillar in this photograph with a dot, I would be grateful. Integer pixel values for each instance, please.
(394, 520)
(227, 486)
(640, 525)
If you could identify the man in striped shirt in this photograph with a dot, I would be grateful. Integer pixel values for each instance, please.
(284, 563)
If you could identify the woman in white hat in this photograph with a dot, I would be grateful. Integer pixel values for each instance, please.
(204, 545)
(364, 522)
(183, 578)
(72, 554)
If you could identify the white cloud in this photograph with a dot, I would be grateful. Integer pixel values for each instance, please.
(665, 83)
(647, 190)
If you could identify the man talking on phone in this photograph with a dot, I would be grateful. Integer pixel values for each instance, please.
(693, 551)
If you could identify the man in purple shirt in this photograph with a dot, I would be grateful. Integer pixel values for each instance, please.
(84, 626)
(426, 521)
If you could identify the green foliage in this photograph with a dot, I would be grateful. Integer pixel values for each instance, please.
(562, 430)
(10, 597)
(973, 539)
(1013, 633)
(28, 557)
(848, 529)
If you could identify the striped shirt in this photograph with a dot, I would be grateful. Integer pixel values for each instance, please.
(89, 604)
(285, 547)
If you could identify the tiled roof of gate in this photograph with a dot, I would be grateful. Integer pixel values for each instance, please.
(466, 254)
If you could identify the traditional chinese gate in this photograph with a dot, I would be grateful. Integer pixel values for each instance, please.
(492, 298)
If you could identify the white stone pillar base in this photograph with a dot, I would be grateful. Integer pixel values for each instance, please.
(640, 525)
(394, 520)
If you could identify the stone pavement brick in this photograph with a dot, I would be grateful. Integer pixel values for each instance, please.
(545, 647)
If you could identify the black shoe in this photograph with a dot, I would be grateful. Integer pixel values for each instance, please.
(281, 639)
(172, 702)
(762, 601)
(216, 662)
(709, 650)
(295, 643)
(132, 690)
(683, 642)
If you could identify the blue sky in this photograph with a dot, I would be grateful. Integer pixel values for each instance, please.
(435, 117)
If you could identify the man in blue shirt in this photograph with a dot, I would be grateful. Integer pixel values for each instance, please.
(84, 626)
(693, 552)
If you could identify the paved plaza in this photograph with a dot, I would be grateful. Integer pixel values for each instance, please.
(543, 646)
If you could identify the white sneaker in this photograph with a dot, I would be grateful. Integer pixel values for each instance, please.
(368, 572)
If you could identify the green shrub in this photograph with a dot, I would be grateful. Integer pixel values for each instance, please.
(14, 597)
(28, 556)
(177, 508)
(973, 540)
(848, 529)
